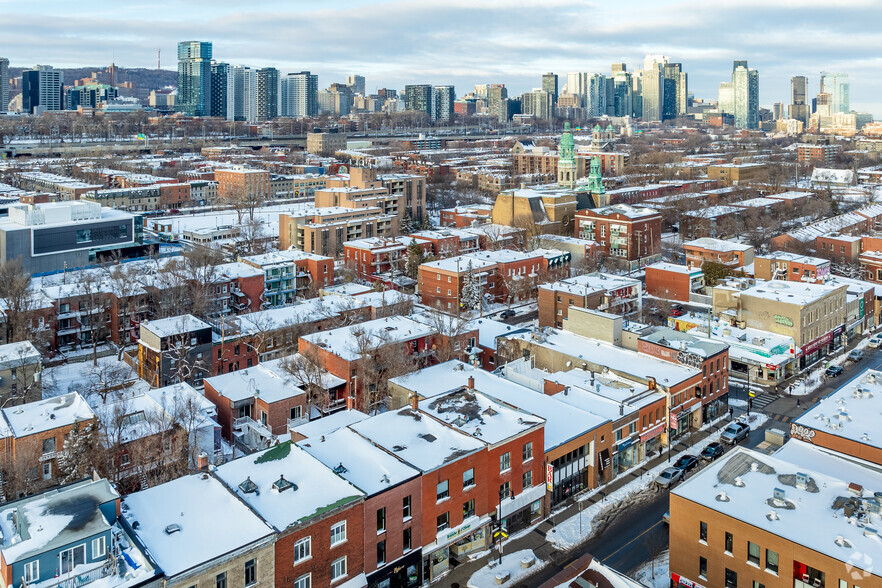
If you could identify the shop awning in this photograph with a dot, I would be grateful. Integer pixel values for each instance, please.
(522, 500)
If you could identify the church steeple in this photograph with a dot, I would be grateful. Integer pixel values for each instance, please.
(566, 162)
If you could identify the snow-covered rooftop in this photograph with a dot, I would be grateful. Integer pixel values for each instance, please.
(175, 325)
(18, 355)
(193, 504)
(359, 461)
(267, 380)
(800, 293)
(417, 438)
(323, 426)
(480, 415)
(675, 268)
(44, 415)
(851, 412)
(384, 331)
(767, 492)
(721, 245)
(316, 489)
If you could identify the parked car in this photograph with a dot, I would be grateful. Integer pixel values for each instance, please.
(686, 463)
(668, 477)
(833, 371)
(507, 314)
(875, 341)
(856, 355)
(677, 312)
(734, 433)
(712, 451)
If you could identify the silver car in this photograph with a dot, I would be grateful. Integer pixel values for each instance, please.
(668, 477)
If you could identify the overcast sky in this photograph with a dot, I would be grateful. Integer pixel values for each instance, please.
(464, 42)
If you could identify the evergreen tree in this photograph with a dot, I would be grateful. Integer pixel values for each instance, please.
(406, 226)
(415, 258)
(471, 290)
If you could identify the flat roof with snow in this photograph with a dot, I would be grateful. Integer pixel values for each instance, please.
(359, 461)
(44, 415)
(344, 343)
(416, 438)
(193, 505)
(802, 501)
(287, 486)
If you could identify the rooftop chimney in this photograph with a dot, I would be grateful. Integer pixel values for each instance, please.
(471, 383)
(414, 400)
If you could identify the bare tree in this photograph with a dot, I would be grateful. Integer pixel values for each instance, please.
(379, 359)
(307, 372)
(18, 301)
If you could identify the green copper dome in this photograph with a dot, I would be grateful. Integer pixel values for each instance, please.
(567, 145)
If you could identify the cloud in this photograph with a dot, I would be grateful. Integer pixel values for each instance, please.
(465, 42)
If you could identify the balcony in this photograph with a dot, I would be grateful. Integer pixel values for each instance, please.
(297, 422)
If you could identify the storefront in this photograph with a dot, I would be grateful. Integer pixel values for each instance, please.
(521, 511)
(651, 440)
(402, 573)
(570, 473)
(716, 408)
(625, 456)
(814, 351)
(470, 536)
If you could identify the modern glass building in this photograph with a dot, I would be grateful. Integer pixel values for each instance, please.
(194, 78)
(219, 75)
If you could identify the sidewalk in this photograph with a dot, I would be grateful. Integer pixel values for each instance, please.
(535, 540)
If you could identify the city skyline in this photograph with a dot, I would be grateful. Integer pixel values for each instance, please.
(464, 44)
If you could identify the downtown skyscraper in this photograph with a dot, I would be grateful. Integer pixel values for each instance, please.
(4, 83)
(267, 93)
(838, 87)
(745, 90)
(300, 93)
(799, 106)
(194, 78)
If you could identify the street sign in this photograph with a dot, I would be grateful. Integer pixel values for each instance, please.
(673, 423)
(751, 393)
(500, 534)
(549, 477)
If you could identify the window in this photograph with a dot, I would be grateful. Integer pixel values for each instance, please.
(753, 553)
(338, 569)
(220, 581)
(303, 550)
(758, 585)
(505, 461)
(295, 412)
(338, 533)
(70, 558)
(49, 445)
(443, 521)
(702, 568)
(381, 553)
(771, 561)
(406, 539)
(731, 579)
(250, 572)
(505, 490)
(84, 235)
(468, 509)
(443, 490)
(528, 451)
(468, 478)
(381, 519)
(702, 531)
(405, 507)
(527, 479)
(99, 547)
(32, 571)
(729, 543)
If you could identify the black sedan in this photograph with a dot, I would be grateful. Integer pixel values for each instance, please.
(712, 451)
(687, 463)
(833, 371)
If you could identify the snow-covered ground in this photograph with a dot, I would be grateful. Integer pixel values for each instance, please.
(654, 573)
(511, 563)
(86, 378)
(738, 403)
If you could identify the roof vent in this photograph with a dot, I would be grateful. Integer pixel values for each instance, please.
(779, 495)
(723, 497)
(399, 447)
(870, 531)
(739, 482)
(171, 529)
(772, 516)
(801, 480)
(754, 467)
(855, 488)
(428, 437)
(282, 484)
(248, 486)
(842, 541)
(385, 479)
(340, 469)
